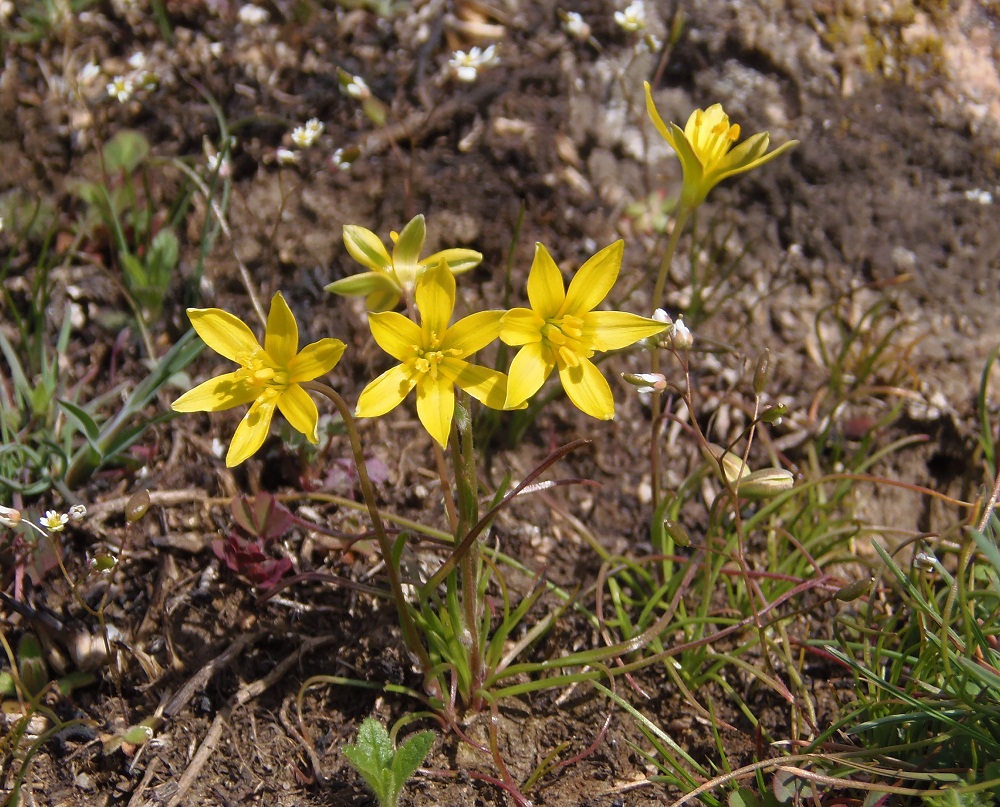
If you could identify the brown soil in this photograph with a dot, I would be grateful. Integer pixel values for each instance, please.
(883, 202)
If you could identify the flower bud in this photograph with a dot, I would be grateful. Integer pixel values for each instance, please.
(9, 517)
(646, 382)
(733, 467)
(765, 483)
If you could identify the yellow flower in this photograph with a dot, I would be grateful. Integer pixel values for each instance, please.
(705, 149)
(432, 356)
(268, 377)
(393, 277)
(561, 329)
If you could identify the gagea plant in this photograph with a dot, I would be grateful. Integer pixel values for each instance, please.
(463, 629)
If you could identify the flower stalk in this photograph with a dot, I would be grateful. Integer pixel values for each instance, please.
(411, 636)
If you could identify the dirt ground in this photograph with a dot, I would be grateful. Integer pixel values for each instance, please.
(887, 200)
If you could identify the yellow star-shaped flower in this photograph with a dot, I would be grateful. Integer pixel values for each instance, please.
(562, 330)
(393, 277)
(432, 356)
(268, 377)
(705, 149)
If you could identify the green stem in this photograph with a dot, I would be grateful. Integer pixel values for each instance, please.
(411, 635)
(683, 213)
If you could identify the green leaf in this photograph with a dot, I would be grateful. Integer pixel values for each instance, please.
(410, 756)
(126, 151)
(164, 253)
(84, 422)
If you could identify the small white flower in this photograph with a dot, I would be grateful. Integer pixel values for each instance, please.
(121, 87)
(338, 161)
(357, 88)
(137, 61)
(54, 521)
(286, 156)
(252, 15)
(77, 512)
(216, 162)
(633, 18)
(680, 335)
(466, 66)
(980, 196)
(574, 25)
(662, 316)
(306, 136)
(9, 517)
(88, 73)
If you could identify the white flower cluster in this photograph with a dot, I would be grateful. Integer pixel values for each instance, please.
(466, 66)
(306, 136)
(123, 87)
(52, 521)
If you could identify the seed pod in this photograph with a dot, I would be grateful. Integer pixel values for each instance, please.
(773, 414)
(762, 371)
(853, 590)
(677, 533)
(137, 506)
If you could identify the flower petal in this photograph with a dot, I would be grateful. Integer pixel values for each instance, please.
(315, 360)
(436, 405)
(406, 252)
(252, 431)
(300, 411)
(281, 339)
(435, 297)
(756, 162)
(386, 392)
(613, 330)
(366, 248)
(528, 371)
(216, 395)
(588, 389)
(654, 116)
(594, 280)
(395, 334)
(383, 299)
(482, 383)
(367, 283)
(226, 334)
(458, 260)
(521, 326)
(472, 333)
(546, 289)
